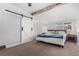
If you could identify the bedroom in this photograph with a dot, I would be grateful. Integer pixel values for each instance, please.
(29, 23)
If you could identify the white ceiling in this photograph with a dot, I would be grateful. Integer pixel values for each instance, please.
(64, 13)
(33, 8)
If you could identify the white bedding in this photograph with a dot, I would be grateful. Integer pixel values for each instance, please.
(59, 41)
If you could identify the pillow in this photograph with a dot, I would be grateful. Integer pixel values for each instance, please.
(52, 32)
(55, 32)
(61, 32)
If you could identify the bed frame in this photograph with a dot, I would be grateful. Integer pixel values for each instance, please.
(58, 30)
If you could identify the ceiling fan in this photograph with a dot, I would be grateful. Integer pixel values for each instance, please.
(29, 4)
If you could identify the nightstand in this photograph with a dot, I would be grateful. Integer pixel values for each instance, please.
(71, 38)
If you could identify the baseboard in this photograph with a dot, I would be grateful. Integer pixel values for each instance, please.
(26, 41)
(12, 45)
(15, 44)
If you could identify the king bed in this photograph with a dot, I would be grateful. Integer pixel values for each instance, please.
(54, 37)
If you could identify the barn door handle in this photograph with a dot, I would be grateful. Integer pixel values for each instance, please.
(22, 28)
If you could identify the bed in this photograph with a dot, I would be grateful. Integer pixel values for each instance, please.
(54, 37)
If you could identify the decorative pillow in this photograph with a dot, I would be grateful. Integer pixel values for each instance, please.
(52, 32)
(55, 32)
(61, 32)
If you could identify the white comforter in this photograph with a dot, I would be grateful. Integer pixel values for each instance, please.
(58, 41)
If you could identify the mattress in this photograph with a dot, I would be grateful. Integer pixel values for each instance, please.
(50, 36)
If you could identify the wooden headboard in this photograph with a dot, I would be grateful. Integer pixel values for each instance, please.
(58, 30)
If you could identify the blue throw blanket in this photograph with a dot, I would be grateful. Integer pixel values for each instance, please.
(50, 36)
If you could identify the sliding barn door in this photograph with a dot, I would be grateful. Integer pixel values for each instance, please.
(9, 29)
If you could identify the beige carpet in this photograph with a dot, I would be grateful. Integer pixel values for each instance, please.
(35, 48)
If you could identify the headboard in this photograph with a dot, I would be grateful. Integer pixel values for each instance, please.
(58, 30)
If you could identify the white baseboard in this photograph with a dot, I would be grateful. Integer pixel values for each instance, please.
(12, 45)
(26, 41)
(15, 44)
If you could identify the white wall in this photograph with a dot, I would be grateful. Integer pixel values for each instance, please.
(64, 13)
(10, 25)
